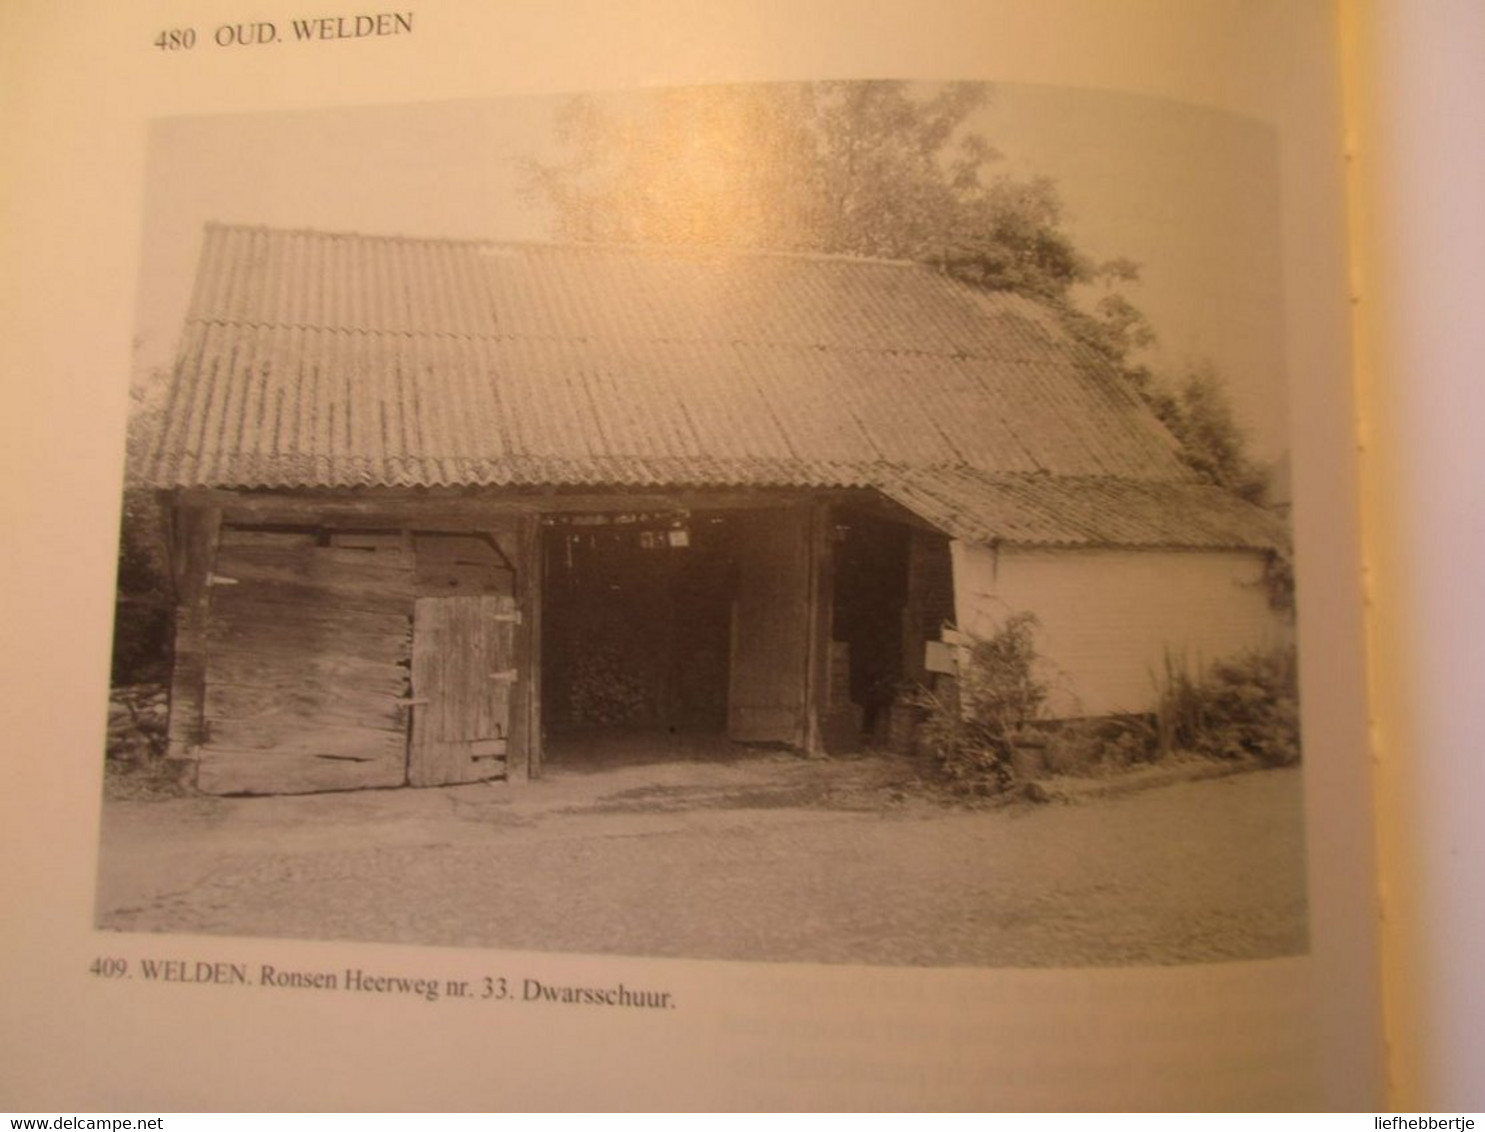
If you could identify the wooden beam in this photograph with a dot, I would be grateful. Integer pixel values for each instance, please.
(524, 754)
(535, 591)
(193, 547)
(820, 613)
(390, 513)
(474, 508)
(226, 770)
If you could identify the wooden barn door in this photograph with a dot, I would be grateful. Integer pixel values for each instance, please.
(305, 673)
(771, 627)
(463, 671)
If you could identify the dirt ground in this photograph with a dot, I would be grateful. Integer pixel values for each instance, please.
(767, 857)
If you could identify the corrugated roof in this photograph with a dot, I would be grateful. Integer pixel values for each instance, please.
(337, 360)
(1069, 511)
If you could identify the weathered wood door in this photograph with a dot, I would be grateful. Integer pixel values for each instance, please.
(767, 693)
(305, 671)
(463, 671)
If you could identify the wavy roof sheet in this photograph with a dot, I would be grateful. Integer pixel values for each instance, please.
(312, 359)
(323, 360)
(1073, 511)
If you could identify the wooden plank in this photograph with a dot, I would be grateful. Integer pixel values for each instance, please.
(381, 542)
(771, 628)
(382, 508)
(749, 723)
(448, 579)
(449, 565)
(459, 645)
(508, 537)
(193, 548)
(525, 753)
(290, 734)
(229, 771)
(304, 686)
(261, 568)
(388, 598)
(187, 682)
(534, 751)
(480, 509)
(389, 557)
(306, 632)
(303, 654)
(289, 621)
(306, 560)
(820, 616)
(441, 549)
(497, 663)
(270, 668)
(430, 640)
(305, 704)
(930, 599)
(312, 578)
(304, 620)
(234, 537)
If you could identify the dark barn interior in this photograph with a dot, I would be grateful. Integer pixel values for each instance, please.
(636, 624)
(871, 598)
(695, 628)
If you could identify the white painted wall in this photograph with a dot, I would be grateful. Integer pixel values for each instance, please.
(1108, 617)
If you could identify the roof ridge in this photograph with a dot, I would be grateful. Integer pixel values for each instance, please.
(953, 355)
(609, 246)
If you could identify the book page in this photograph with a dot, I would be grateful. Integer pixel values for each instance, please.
(1419, 236)
(699, 929)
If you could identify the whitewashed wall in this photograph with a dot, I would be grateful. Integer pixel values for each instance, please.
(1108, 617)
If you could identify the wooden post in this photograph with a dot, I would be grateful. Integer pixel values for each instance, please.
(524, 753)
(821, 617)
(913, 610)
(193, 548)
(665, 706)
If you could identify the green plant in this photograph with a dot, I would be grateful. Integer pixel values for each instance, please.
(972, 725)
(1102, 743)
(1278, 582)
(1244, 707)
(144, 605)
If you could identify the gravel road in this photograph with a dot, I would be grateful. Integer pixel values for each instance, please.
(767, 858)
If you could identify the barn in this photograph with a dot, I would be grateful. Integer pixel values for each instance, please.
(434, 505)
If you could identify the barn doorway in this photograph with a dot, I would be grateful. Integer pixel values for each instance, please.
(636, 622)
(873, 639)
(672, 636)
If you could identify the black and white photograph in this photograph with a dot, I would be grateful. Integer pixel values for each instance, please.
(838, 522)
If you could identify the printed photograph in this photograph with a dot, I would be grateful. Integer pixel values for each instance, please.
(832, 522)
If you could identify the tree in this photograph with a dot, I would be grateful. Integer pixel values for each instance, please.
(884, 169)
(1199, 415)
(861, 168)
(142, 610)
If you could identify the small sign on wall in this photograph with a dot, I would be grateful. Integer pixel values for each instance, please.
(939, 657)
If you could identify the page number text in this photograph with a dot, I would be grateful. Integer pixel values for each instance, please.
(176, 39)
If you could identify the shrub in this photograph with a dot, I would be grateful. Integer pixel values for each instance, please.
(1244, 707)
(1102, 743)
(141, 641)
(144, 603)
(972, 726)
